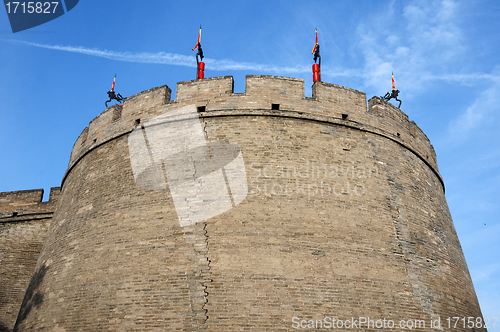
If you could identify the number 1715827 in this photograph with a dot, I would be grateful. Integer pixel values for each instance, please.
(31, 7)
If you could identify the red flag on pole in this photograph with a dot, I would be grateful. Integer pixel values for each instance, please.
(199, 40)
(315, 45)
(393, 84)
(113, 86)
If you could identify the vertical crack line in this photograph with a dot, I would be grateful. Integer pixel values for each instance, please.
(144, 133)
(228, 187)
(208, 272)
(205, 273)
(199, 277)
(204, 127)
(163, 168)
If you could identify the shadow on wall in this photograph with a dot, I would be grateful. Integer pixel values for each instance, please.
(3, 328)
(32, 299)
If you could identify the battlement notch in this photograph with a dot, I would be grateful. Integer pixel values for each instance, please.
(22, 204)
(264, 95)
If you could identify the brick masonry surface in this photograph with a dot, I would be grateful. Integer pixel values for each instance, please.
(24, 221)
(345, 217)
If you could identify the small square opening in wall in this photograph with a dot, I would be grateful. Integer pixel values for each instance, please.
(275, 107)
(344, 116)
(201, 109)
(137, 121)
(14, 214)
(399, 134)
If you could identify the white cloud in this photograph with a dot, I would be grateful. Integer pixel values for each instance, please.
(422, 43)
(485, 272)
(171, 59)
(144, 57)
(488, 102)
(189, 61)
(419, 43)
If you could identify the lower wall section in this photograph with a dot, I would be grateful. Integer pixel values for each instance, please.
(337, 222)
(20, 246)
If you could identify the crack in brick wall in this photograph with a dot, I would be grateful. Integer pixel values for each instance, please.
(196, 235)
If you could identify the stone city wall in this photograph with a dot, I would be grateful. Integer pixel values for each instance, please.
(345, 216)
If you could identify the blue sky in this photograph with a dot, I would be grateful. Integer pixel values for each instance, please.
(444, 54)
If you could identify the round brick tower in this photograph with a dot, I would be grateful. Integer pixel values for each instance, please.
(263, 211)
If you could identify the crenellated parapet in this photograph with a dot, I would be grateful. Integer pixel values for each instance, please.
(27, 204)
(263, 96)
(393, 121)
(116, 120)
(198, 90)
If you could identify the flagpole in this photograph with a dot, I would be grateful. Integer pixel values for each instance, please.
(200, 65)
(316, 67)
